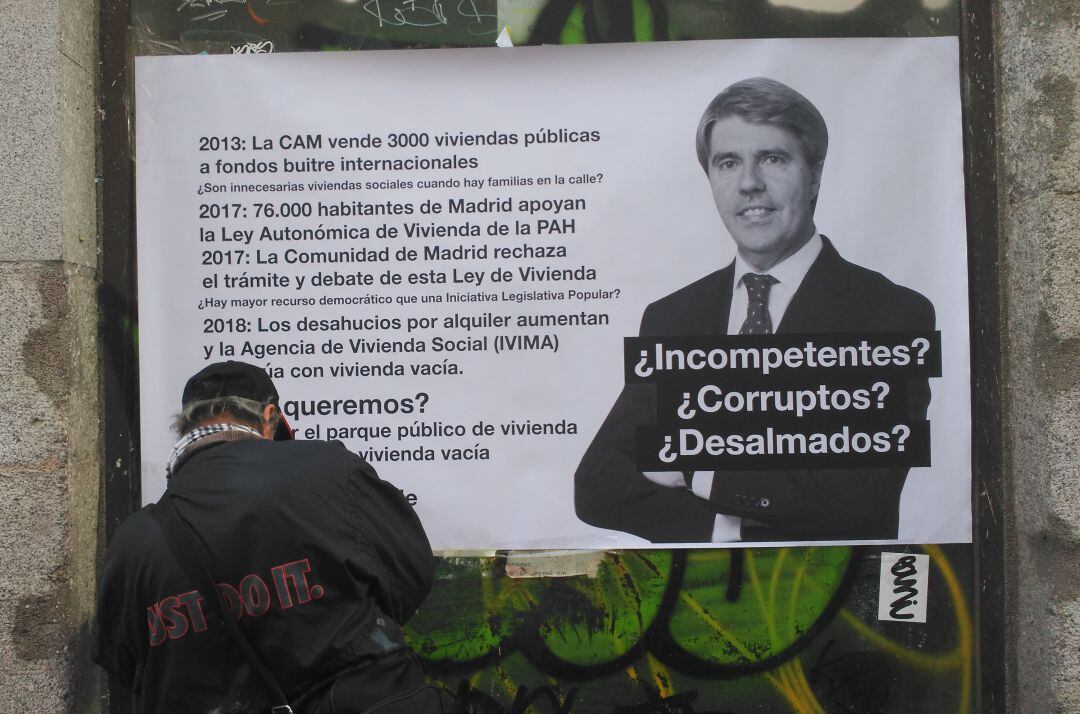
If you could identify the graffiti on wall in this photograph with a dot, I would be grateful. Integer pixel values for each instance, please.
(791, 629)
(192, 26)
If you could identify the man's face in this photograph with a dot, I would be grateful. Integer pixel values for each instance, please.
(763, 188)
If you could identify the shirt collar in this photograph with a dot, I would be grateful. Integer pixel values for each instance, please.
(789, 271)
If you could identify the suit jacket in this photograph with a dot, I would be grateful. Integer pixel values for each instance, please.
(790, 504)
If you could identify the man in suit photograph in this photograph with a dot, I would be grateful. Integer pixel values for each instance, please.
(762, 146)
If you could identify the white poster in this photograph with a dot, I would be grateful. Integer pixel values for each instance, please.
(580, 297)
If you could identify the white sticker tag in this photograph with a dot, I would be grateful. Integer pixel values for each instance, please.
(904, 578)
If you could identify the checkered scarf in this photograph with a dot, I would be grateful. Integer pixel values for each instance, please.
(179, 452)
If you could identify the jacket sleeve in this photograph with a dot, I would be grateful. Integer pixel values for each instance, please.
(610, 491)
(393, 544)
(817, 504)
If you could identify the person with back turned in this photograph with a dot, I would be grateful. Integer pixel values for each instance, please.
(762, 146)
(317, 560)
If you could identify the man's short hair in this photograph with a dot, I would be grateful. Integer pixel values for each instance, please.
(237, 389)
(239, 409)
(761, 100)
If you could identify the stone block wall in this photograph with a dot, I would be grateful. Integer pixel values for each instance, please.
(1038, 47)
(50, 449)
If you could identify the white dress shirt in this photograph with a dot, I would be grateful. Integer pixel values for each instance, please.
(789, 274)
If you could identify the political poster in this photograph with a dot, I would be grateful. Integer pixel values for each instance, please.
(681, 293)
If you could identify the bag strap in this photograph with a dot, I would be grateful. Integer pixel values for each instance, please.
(192, 556)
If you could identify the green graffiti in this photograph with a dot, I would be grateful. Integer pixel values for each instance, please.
(785, 592)
(689, 630)
(643, 21)
(573, 31)
(469, 614)
(589, 621)
(680, 606)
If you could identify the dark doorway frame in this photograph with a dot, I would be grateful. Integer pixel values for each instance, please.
(118, 326)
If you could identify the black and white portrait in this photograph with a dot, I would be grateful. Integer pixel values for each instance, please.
(762, 146)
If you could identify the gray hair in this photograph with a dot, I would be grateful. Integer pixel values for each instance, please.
(765, 101)
(244, 411)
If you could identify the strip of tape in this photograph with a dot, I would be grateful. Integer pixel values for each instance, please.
(553, 563)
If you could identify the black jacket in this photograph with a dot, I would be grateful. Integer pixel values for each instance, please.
(319, 559)
(803, 504)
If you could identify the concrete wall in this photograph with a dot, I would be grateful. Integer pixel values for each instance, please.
(1039, 188)
(49, 451)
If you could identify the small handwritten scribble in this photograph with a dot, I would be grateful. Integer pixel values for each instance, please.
(263, 47)
(407, 13)
(210, 16)
(204, 4)
(468, 9)
(214, 14)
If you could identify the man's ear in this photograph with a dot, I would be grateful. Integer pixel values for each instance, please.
(267, 415)
(815, 173)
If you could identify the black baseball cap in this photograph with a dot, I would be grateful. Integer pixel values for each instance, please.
(235, 379)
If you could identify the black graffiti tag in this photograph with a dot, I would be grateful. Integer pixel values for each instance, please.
(904, 585)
